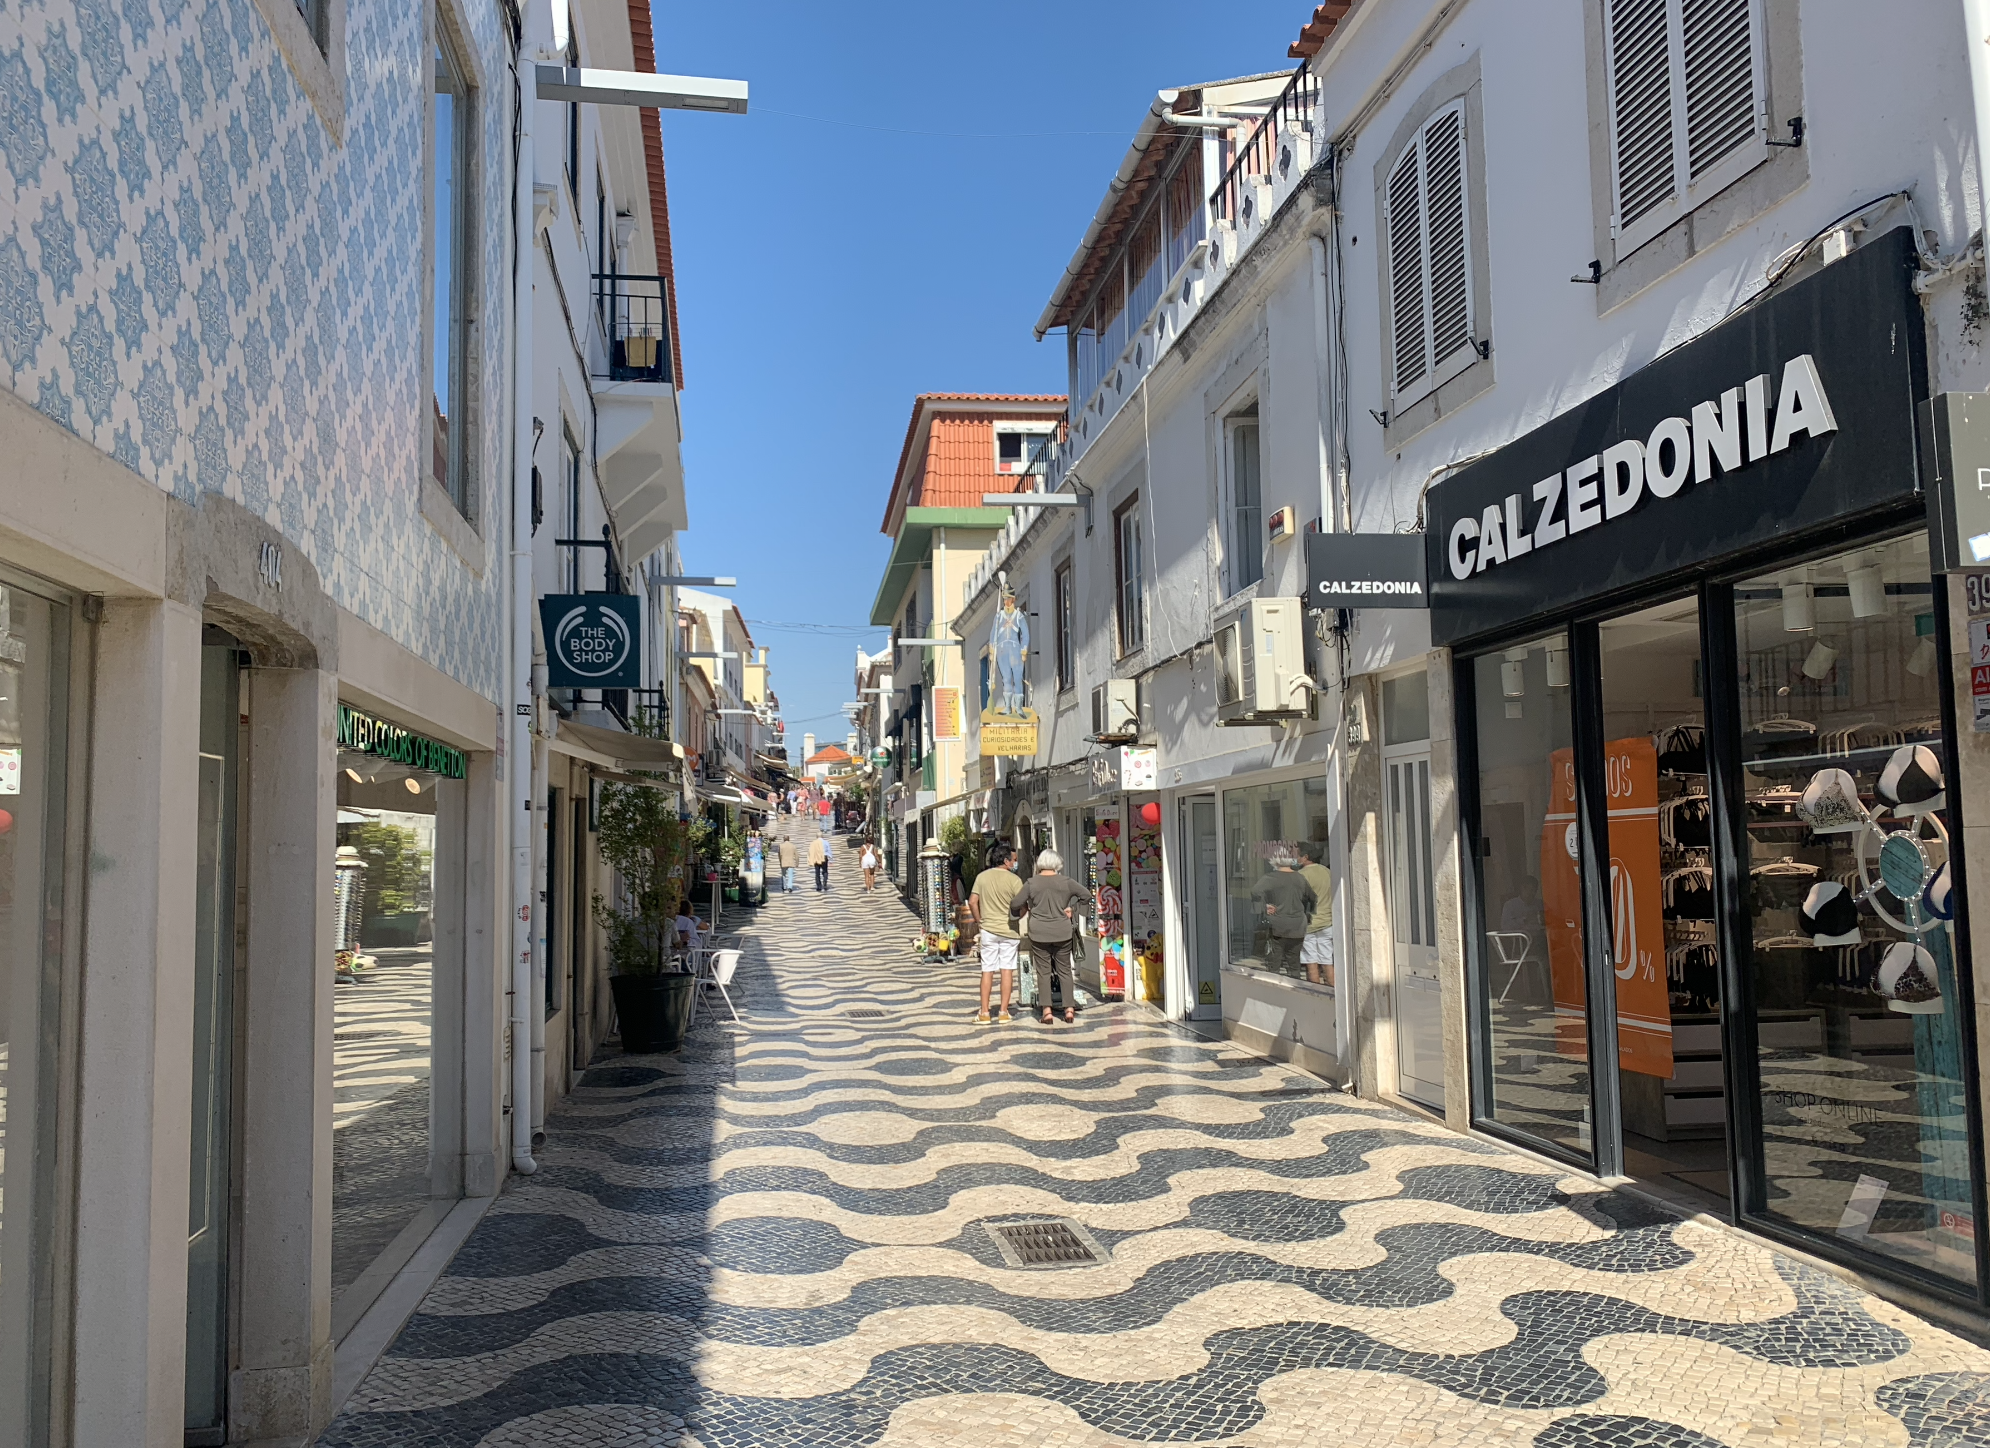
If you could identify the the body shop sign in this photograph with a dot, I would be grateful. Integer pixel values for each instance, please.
(1797, 412)
(593, 640)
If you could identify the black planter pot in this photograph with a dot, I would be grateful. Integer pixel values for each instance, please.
(654, 1011)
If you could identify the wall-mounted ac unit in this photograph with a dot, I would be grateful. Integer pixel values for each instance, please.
(1261, 662)
(1116, 711)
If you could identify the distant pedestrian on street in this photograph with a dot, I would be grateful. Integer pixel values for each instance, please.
(988, 907)
(818, 856)
(1288, 902)
(1051, 901)
(1316, 951)
(869, 861)
(786, 855)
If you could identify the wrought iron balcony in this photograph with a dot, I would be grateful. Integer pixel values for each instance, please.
(634, 312)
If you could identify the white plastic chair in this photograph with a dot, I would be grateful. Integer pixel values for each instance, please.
(724, 963)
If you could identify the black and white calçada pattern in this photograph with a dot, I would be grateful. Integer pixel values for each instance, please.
(779, 1238)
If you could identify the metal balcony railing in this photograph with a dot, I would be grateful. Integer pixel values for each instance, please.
(635, 322)
(1258, 155)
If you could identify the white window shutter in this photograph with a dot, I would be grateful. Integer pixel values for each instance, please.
(1408, 302)
(1450, 284)
(1643, 103)
(1723, 73)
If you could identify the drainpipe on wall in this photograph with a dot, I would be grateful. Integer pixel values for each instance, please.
(541, 774)
(519, 787)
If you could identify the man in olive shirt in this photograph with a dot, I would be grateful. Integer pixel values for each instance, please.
(988, 906)
(1316, 951)
(1288, 906)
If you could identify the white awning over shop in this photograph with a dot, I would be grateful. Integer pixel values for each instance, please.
(613, 749)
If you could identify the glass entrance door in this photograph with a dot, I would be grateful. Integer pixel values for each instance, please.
(1419, 999)
(1205, 890)
(211, 1176)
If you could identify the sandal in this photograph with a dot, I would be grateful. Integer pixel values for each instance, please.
(1069, 1015)
(1048, 1019)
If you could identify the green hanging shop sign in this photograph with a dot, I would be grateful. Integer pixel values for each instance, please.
(384, 739)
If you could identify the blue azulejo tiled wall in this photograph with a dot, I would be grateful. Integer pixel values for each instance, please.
(202, 280)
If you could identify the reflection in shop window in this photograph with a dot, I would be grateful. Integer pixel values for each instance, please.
(1264, 825)
(1858, 1017)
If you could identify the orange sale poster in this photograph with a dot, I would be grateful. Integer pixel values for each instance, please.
(1637, 921)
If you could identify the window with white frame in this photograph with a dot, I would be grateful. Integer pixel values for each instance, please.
(450, 259)
(1129, 569)
(1244, 547)
(1688, 100)
(1428, 229)
(1067, 627)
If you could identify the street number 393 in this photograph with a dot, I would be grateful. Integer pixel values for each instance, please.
(1976, 593)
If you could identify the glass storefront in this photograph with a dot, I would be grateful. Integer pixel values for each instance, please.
(1857, 1013)
(385, 1179)
(1263, 824)
(34, 686)
(1537, 1042)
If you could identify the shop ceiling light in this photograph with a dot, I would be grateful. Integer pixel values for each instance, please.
(1799, 613)
(1513, 674)
(413, 784)
(353, 775)
(1558, 667)
(1868, 589)
(1921, 662)
(1817, 663)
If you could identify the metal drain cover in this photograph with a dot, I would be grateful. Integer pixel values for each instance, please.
(864, 1013)
(1046, 1242)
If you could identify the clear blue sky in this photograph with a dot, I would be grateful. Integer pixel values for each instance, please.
(828, 274)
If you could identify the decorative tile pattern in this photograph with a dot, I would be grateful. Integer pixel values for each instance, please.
(780, 1237)
(178, 232)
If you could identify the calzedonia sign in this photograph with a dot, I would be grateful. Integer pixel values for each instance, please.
(593, 640)
(1365, 570)
(1796, 413)
(384, 739)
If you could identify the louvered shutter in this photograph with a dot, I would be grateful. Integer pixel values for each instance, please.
(1430, 266)
(1686, 105)
(1407, 303)
(1449, 281)
(1642, 107)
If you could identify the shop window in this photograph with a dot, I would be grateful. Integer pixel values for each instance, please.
(1858, 1014)
(34, 653)
(1263, 827)
(1535, 990)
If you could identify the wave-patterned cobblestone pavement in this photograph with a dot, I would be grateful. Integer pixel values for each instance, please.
(780, 1238)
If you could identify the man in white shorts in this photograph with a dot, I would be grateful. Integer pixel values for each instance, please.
(988, 905)
(1316, 951)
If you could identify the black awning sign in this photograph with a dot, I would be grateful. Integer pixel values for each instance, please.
(593, 640)
(1366, 570)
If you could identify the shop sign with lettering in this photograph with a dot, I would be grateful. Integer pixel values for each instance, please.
(1365, 570)
(593, 640)
(1797, 412)
(365, 734)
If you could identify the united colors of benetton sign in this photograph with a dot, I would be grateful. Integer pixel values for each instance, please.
(593, 640)
(365, 734)
(1797, 412)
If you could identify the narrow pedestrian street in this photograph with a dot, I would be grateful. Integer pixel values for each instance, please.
(784, 1236)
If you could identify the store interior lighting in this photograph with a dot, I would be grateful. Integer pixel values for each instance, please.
(1799, 609)
(1558, 667)
(1921, 662)
(1817, 663)
(353, 775)
(1868, 589)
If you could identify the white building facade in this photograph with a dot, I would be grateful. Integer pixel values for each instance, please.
(1484, 260)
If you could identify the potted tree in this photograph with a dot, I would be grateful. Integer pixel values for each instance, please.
(643, 839)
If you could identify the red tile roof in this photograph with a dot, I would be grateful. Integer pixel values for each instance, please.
(955, 449)
(829, 754)
(1319, 29)
(642, 39)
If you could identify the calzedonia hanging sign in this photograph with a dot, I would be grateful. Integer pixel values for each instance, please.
(384, 739)
(1798, 412)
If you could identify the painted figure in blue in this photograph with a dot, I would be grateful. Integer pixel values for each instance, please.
(1012, 647)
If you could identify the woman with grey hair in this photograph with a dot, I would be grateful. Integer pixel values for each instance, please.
(1051, 901)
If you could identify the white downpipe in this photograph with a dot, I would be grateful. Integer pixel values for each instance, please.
(541, 762)
(520, 785)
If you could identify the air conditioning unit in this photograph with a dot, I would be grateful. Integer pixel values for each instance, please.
(1116, 711)
(1261, 662)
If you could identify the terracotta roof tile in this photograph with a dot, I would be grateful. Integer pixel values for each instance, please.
(642, 39)
(958, 467)
(1317, 30)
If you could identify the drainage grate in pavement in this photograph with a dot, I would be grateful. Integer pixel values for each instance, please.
(864, 1013)
(1046, 1242)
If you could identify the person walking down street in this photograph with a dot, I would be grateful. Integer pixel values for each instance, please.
(988, 907)
(1288, 902)
(869, 861)
(786, 855)
(818, 856)
(1051, 901)
(1316, 951)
